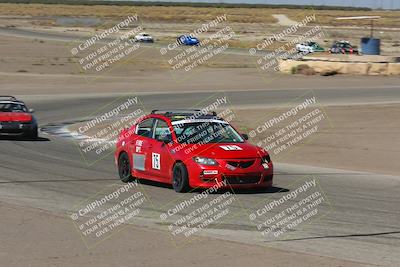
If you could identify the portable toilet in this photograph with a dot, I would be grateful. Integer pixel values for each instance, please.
(370, 46)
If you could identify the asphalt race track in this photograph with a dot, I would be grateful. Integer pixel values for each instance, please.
(361, 214)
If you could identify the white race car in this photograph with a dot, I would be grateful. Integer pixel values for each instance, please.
(309, 47)
(144, 37)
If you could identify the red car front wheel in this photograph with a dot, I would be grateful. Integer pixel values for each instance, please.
(180, 178)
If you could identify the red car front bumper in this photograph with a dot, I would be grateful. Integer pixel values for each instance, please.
(252, 173)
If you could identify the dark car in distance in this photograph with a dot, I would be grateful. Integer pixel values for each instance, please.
(16, 119)
(343, 47)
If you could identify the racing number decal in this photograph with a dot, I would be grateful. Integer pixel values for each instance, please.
(155, 161)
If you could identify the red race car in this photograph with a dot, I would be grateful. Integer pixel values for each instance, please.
(188, 149)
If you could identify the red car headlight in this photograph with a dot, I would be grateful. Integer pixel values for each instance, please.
(266, 159)
(205, 161)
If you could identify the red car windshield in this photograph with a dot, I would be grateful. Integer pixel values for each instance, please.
(12, 107)
(206, 132)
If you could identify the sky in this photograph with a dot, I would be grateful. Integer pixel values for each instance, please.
(385, 4)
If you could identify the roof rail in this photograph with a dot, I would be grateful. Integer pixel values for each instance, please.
(176, 110)
(179, 111)
(8, 97)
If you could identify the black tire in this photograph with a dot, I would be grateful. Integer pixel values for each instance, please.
(269, 178)
(124, 168)
(32, 134)
(180, 178)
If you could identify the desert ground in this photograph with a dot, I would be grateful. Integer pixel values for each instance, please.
(165, 23)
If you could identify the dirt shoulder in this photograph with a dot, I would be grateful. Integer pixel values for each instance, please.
(360, 138)
(40, 238)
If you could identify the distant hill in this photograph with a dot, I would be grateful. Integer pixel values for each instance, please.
(191, 4)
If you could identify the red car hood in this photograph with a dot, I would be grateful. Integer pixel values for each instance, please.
(228, 151)
(15, 116)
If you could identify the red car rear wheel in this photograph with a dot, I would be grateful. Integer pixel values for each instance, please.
(124, 168)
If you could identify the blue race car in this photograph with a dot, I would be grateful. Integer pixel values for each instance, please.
(188, 40)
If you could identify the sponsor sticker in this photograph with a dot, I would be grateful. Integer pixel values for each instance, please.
(231, 147)
(155, 161)
(210, 172)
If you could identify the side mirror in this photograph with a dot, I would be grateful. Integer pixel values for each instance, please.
(166, 142)
(245, 136)
(31, 110)
(166, 139)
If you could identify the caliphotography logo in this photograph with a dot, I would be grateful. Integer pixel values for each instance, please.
(97, 136)
(286, 129)
(108, 49)
(295, 41)
(108, 212)
(198, 48)
(276, 218)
